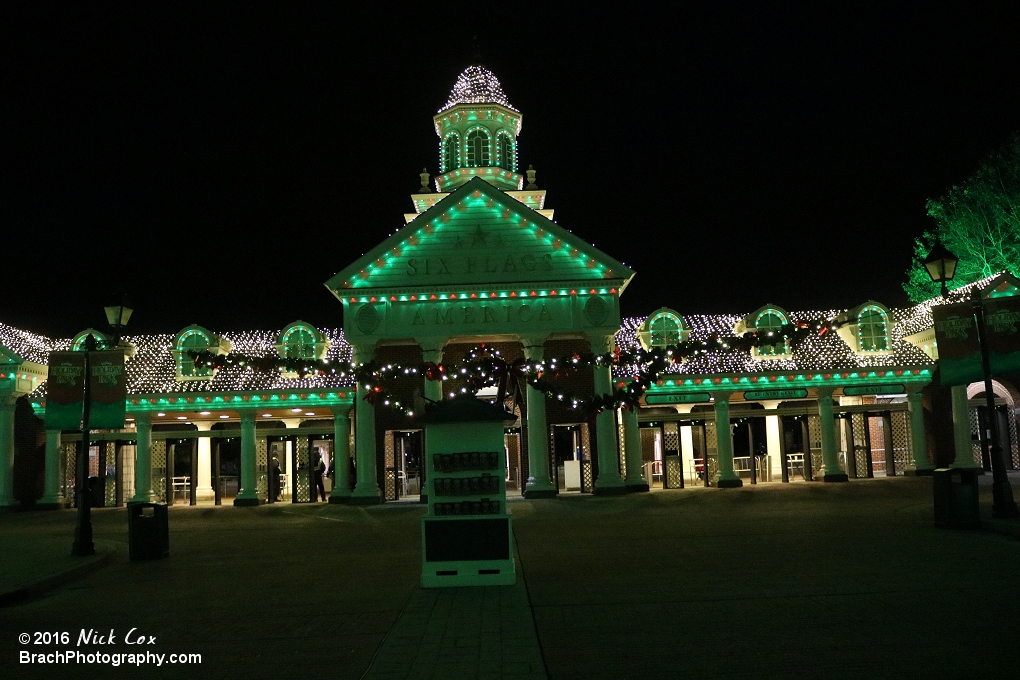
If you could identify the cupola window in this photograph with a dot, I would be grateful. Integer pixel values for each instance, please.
(476, 152)
(505, 152)
(450, 152)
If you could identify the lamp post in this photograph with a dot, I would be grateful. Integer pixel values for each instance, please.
(117, 316)
(941, 267)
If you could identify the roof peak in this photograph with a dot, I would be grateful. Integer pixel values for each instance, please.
(477, 85)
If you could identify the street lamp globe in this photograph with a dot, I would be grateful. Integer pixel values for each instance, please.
(941, 266)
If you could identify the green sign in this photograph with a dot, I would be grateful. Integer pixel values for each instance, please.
(65, 390)
(757, 395)
(688, 398)
(873, 389)
(956, 333)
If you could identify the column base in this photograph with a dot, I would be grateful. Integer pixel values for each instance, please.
(836, 477)
(919, 472)
(6, 509)
(730, 483)
(620, 490)
(364, 500)
(247, 502)
(206, 494)
(637, 488)
(334, 499)
(531, 494)
(976, 469)
(58, 505)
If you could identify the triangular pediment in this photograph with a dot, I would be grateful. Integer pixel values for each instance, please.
(10, 357)
(478, 236)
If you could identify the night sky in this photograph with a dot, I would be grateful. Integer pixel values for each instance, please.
(218, 163)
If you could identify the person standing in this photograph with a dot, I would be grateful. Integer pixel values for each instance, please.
(317, 473)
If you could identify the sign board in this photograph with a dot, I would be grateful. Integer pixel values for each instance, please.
(107, 389)
(688, 398)
(859, 390)
(757, 395)
(65, 390)
(959, 351)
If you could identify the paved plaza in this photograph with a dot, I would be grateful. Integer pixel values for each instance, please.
(804, 580)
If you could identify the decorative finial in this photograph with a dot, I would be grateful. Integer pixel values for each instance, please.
(424, 176)
(531, 172)
(477, 51)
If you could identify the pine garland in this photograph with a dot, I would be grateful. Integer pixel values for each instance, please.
(484, 367)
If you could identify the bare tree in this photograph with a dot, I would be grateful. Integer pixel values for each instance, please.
(979, 221)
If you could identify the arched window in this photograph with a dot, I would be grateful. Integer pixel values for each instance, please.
(196, 339)
(872, 330)
(476, 149)
(301, 340)
(769, 320)
(506, 155)
(449, 152)
(78, 343)
(663, 328)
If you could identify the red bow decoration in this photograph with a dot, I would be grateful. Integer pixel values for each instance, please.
(433, 371)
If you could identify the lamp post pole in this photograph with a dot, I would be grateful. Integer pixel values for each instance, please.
(83, 545)
(1003, 504)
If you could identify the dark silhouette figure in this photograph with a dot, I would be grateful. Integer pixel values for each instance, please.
(275, 479)
(318, 472)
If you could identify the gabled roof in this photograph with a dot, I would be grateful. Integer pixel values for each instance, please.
(478, 235)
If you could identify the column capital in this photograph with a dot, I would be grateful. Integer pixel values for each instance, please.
(601, 344)
(248, 414)
(721, 395)
(534, 348)
(432, 344)
(202, 426)
(825, 391)
(363, 352)
(342, 411)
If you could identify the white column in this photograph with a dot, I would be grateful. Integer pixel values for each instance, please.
(831, 470)
(248, 493)
(366, 490)
(432, 351)
(143, 460)
(539, 483)
(918, 441)
(724, 442)
(961, 429)
(609, 480)
(773, 437)
(204, 490)
(53, 495)
(7, 451)
(632, 444)
(341, 456)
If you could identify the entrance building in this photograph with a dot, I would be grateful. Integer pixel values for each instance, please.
(480, 262)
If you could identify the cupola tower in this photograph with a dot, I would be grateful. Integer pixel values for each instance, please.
(478, 130)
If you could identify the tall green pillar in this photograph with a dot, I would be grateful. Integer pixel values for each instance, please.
(366, 489)
(918, 441)
(248, 495)
(961, 430)
(609, 480)
(341, 456)
(539, 483)
(728, 479)
(831, 470)
(7, 452)
(635, 481)
(53, 495)
(143, 460)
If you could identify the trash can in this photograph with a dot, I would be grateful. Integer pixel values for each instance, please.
(956, 498)
(148, 531)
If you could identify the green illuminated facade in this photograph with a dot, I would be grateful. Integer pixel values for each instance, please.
(481, 261)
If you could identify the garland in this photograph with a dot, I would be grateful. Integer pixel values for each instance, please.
(484, 367)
